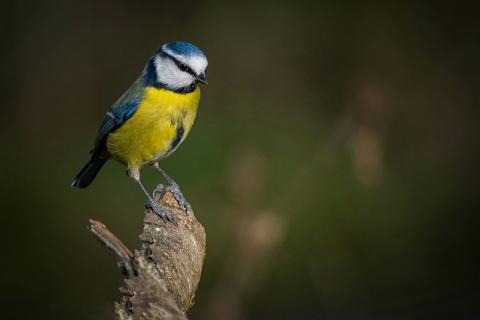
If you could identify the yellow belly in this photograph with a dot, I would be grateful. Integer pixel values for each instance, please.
(148, 135)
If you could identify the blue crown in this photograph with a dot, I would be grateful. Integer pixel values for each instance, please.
(183, 48)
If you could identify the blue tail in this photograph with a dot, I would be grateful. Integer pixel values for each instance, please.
(88, 173)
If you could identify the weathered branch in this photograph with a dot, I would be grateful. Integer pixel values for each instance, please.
(163, 274)
(122, 253)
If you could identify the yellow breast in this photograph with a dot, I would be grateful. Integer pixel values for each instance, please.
(161, 122)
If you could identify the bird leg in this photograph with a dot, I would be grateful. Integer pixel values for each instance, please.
(173, 187)
(151, 204)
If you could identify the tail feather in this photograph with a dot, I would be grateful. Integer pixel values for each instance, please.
(88, 173)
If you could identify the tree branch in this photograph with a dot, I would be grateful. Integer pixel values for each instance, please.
(163, 274)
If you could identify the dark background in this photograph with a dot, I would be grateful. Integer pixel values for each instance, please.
(334, 160)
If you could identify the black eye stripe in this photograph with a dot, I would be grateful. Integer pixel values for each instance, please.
(182, 66)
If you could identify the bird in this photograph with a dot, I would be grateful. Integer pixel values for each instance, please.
(151, 119)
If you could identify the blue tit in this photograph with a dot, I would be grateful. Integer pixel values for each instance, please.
(151, 119)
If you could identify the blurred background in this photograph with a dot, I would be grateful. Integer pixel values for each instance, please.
(333, 163)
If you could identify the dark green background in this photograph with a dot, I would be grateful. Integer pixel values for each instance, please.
(333, 163)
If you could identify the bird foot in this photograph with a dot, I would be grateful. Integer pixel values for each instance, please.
(177, 193)
(160, 211)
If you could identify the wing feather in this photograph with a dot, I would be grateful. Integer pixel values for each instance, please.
(119, 113)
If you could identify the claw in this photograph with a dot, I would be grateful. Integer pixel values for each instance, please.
(177, 194)
(174, 189)
(157, 209)
(160, 189)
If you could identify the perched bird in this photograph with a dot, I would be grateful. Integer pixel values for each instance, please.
(151, 119)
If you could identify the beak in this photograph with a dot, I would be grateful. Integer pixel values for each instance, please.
(202, 78)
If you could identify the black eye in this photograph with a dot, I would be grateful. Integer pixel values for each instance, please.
(183, 66)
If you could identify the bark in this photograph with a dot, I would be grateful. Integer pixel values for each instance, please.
(161, 277)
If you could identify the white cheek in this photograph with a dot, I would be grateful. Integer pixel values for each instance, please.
(169, 74)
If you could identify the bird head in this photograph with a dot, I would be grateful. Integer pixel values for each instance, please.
(178, 66)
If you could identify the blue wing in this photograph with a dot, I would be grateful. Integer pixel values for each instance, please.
(119, 113)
